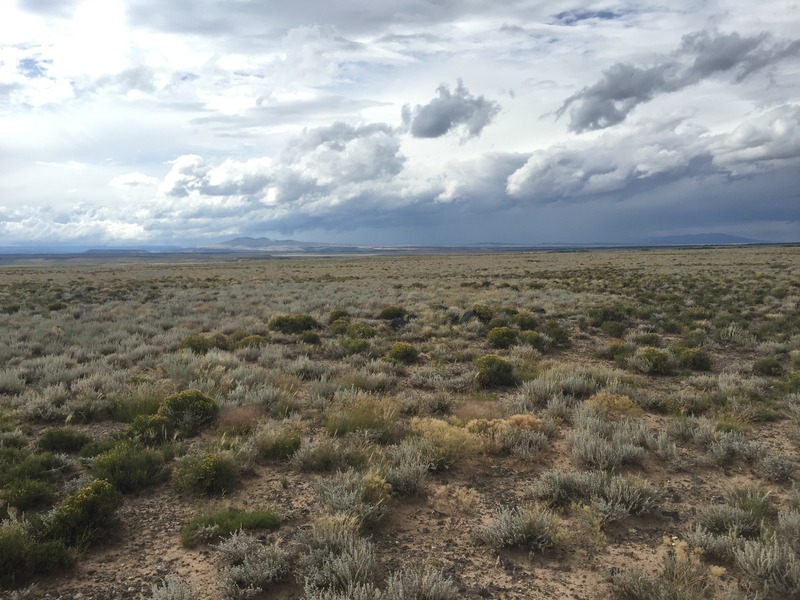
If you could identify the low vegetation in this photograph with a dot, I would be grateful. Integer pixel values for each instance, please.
(602, 424)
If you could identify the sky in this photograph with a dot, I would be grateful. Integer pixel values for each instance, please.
(425, 122)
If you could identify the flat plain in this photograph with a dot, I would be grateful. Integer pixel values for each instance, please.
(536, 425)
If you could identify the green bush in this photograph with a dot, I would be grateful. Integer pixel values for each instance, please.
(26, 493)
(338, 314)
(293, 323)
(310, 337)
(559, 336)
(525, 321)
(250, 341)
(63, 439)
(769, 366)
(392, 312)
(339, 326)
(361, 330)
(651, 361)
(403, 352)
(188, 411)
(129, 469)
(225, 522)
(151, 429)
(493, 371)
(125, 411)
(199, 344)
(279, 441)
(85, 516)
(535, 339)
(482, 312)
(354, 345)
(22, 557)
(613, 329)
(692, 358)
(502, 337)
(209, 474)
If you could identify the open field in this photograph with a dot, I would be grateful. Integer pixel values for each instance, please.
(541, 425)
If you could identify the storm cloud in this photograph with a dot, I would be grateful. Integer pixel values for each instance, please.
(450, 111)
(701, 55)
(425, 122)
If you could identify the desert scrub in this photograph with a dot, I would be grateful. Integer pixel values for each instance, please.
(502, 337)
(327, 455)
(249, 566)
(23, 557)
(519, 435)
(188, 411)
(209, 474)
(201, 343)
(613, 496)
(493, 371)
(691, 358)
(407, 465)
(293, 323)
(768, 367)
(128, 468)
(535, 529)
(598, 444)
(215, 526)
(172, 588)
(449, 442)
(772, 565)
(85, 516)
(361, 497)
(419, 584)
(651, 361)
(403, 352)
(278, 440)
(151, 429)
(613, 406)
(333, 556)
(375, 417)
(360, 330)
(63, 439)
(392, 312)
(683, 576)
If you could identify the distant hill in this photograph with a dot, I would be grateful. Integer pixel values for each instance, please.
(699, 239)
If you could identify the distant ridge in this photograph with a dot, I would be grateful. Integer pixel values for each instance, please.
(699, 239)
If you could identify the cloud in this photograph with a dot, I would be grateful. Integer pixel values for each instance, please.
(58, 8)
(133, 180)
(450, 111)
(623, 163)
(701, 55)
(765, 143)
(571, 17)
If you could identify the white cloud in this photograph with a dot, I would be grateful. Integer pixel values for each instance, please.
(178, 121)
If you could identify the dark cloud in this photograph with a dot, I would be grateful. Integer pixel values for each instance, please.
(701, 55)
(571, 17)
(449, 111)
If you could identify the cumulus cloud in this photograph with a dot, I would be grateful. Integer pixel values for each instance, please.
(450, 111)
(769, 141)
(650, 156)
(701, 55)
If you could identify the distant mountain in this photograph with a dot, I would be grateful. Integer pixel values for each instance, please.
(699, 239)
(265, 244)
